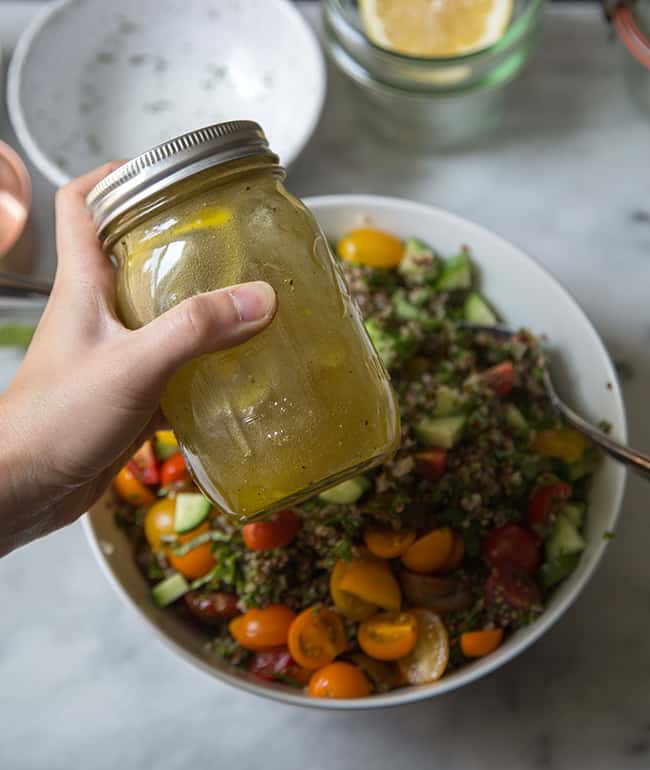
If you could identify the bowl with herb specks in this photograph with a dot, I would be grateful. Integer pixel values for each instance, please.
(525, 295)
(92, 81)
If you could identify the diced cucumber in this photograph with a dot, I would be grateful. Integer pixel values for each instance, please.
(449, 402)
(384, 343)
(444, 432)
(456, 273)
(574, 512)
(515, 419)
(586, 465)
(191, 510)
(419, 264)
(166, 444)
(564, 539)
(404, 309)
(552, 572)
(477, 311)
(169, 589)
(347, 492)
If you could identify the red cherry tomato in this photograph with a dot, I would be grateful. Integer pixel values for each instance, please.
(144, 465)
(543, 505)
(211, 607)
(431, 464)
(514, 544)
(500, 378)
(173, 469)
(272, 663)
(512, 585)
(277, 532)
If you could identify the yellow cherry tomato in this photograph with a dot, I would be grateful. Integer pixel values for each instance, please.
(388, 635)
(159, 521)
(388, 543)
(564, 443)
(374, 248)
(372, 581)
(197, 562)
(349, 605)
(457, 553)
(431, 551)
(339, 680)
(428, 660)
(261, 629)
(476, 644)
(131, 490)
(316, 637)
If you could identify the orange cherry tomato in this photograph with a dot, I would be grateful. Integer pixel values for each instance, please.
(260, 629)
(316, 637)
(197, 562)
(430, 552)
(279, 530)
(131, 490)
(476, 644)
(374, 248)
(349, 605)
(456, 555)
(500, 378)
(388, 543)
(159, 521)
(388, 635)
(173, 469)
(339, 680)
(372, 581)
(428, 660)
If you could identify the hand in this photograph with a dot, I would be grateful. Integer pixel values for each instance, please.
(87, 393)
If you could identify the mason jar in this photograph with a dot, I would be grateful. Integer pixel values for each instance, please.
(300, 407)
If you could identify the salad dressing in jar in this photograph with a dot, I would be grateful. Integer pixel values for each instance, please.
(300, 407)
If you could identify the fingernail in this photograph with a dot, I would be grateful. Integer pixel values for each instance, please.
(253, 301)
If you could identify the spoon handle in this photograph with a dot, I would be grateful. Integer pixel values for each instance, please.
(636, 460)
(21, 286)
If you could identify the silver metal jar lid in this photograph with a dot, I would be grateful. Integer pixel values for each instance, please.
(172, 161)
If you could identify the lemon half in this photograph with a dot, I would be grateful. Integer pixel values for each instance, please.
(435, 27)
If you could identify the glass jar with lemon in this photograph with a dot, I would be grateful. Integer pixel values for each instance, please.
(300, 407)
(433, 75)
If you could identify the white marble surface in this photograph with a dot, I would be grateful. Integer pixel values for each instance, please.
(83, 683)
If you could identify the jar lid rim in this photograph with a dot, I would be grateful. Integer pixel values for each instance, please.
(172, 161)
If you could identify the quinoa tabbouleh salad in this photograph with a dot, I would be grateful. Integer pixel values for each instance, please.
(398, 576)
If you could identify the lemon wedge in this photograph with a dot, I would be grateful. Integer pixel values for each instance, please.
(435, 27)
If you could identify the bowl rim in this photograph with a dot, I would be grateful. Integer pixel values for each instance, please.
(52, 171)
(531, 633)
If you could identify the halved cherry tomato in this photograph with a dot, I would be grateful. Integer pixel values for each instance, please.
(565, 443)
(374, 248)
(339, 680)
(500, 378)
(272, 663)
(433, 592)
(512, 585)
(131, 490)
(211, 607)
(388, 543)
(349, 605)
(388, 635)
(428, 660)
(316, 637)
(544, 504)
(431, 464)
(259, 629)
(173, 470)
(431, 551)
(372, 581)
(279, 530)
(197, 562)
(159, 521)
(476, 644)
(514, 544)
(144, 464)
(457, 553)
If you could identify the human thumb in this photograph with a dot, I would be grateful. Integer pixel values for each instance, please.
(200, 324)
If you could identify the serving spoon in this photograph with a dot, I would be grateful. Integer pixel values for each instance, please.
(636, 460)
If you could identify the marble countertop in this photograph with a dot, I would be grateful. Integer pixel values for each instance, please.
(84, 684)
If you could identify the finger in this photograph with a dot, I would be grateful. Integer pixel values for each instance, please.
(78, 247)
(198, 325)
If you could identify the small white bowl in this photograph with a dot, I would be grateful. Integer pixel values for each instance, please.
(525, 295)
(92, 81)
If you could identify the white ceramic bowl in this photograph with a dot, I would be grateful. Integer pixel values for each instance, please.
(92, 80)
(524, 294)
